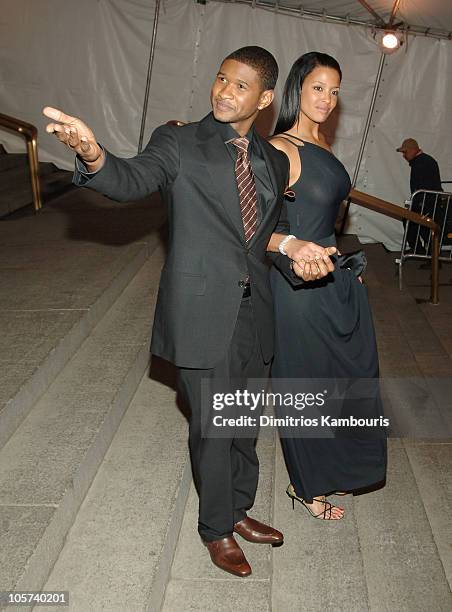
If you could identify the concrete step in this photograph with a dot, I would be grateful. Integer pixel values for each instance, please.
(409, 344)
(118, 553)
(55, 183)
(15, 188)
(51, 301)
(377, 558)
(13, 160)
(19, 163)
(15, 185)
(196, 584)
(48, 464)
(381, 556)
(60, 271)
(416, 282)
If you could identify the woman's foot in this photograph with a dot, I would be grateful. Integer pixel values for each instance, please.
(319, 508)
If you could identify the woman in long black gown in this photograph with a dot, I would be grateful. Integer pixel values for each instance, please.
(324, 329)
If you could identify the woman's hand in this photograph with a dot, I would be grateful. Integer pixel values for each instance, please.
(310, 261)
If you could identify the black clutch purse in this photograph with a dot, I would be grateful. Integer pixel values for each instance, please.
(356, 262)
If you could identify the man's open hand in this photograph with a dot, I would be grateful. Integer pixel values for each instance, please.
(76, 136)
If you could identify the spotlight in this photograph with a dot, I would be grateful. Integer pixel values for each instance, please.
(390, 41)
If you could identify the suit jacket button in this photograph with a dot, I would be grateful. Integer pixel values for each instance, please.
(241, 283)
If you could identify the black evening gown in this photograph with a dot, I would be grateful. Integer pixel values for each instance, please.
(324, 330)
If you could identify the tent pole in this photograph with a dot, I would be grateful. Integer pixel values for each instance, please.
(364, 137)
(148, 79)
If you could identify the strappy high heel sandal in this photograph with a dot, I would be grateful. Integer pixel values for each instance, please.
(325, 515)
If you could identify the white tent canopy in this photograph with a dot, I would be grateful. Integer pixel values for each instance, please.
(432, 17)
(91, 59)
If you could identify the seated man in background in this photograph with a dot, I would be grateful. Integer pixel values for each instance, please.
(424, 175)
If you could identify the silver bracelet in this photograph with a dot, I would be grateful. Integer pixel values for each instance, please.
(283, 243)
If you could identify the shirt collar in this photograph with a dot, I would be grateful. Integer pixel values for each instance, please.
(228, 133)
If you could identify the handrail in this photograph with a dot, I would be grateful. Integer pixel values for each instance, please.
(30, 133)
(396, 212)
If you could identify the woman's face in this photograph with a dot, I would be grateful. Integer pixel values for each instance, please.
(319, 93)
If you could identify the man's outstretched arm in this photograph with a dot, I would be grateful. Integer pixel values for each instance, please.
(119, 179)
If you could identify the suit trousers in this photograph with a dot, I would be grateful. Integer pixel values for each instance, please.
(225, 469)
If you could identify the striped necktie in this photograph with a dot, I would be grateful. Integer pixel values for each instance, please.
(246, 187)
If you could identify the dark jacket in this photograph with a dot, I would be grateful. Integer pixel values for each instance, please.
(201, 285)
(424, 173)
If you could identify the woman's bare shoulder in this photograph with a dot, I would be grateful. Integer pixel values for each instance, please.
(282, 143)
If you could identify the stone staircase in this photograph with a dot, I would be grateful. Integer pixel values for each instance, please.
(79, 285)
(95, 483)
(15, 185)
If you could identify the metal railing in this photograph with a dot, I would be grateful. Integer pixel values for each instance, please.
(399, 213)
(417, 240)
(30, 133)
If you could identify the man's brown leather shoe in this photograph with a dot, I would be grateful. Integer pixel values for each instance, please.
(255, 531)
(228, 556)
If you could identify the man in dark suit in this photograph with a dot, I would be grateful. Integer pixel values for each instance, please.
(224, 186)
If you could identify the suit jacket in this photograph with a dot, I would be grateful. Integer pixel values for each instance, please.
(201, 284)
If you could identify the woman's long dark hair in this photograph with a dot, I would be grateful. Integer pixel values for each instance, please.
(290, 105)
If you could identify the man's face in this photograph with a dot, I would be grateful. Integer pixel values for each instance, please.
(237, 95)
(409, 154)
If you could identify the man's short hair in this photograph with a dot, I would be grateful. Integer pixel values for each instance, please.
(261, 60)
